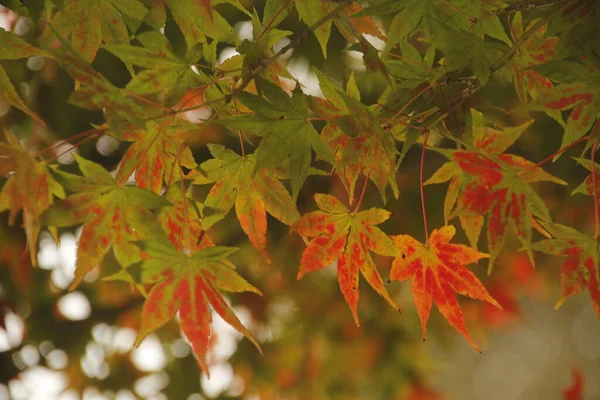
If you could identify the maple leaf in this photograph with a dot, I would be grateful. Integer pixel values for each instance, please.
(13, 47)
(156, 153)
(356, 139)
(464, 49)
(111, 214)
(165, 75)
(437, 269)
(94, 92)
(187, 282)
(286, 131)
(486, 181)
(581, 269)
(30, 187)
(478, 17)
(345, 236)
(578, 91)
(88, 23)
(181, 221)
(253, 194)
(312, 11)
(197, 19)
(536, 49)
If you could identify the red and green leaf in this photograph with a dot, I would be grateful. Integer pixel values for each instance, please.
(581, 269)
(188, 282)
(437, 269)
(486, 181)
(252, 193)
(30, 188)
(345, 238)
(534, 50)
(156, 154)
(112, 215)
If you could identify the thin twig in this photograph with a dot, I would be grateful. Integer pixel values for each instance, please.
(362, 193)
(595, 187)
(422, 187)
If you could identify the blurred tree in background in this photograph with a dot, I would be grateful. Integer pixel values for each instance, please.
(179, 174)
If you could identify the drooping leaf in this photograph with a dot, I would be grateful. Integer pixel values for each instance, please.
(252, 194)
(13, 47)
(112, 215)
(188, 282)
(437, 269)
(346, 238)
(487, 181)
(476, 16)
(581, 269)
(94, 92)
(156, 154)
(30, 187)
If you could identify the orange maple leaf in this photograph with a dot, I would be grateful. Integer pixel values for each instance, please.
(438, 271)
(347, 237)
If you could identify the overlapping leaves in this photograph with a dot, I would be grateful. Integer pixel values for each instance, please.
(287, 133)
(30, 187)
(487, 181)
(112, 216)
(252, 194)
(346, 238)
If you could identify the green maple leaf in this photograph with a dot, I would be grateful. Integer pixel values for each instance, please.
(112, 215)
(165, 76)
(486, 181)
(156, 153)
(198, 19)
(88, 23)
(478, 17)
(581, 269)
(30, 187)
(463, 49)
(283, 122)
(252, 193)
(188, 282)
(13, 47)
(347, 237)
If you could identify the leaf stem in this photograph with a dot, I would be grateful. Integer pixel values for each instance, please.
(559, 151)
(595, 188)
(243, 150)
(362, 193)
(266, 28)
(422, 187)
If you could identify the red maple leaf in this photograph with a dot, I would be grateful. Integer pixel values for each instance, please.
(437, 269)
(581, 269)
(347, 237)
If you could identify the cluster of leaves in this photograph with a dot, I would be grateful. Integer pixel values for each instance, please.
(435, 58)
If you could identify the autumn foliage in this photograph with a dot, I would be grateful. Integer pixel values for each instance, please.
(266, 148)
